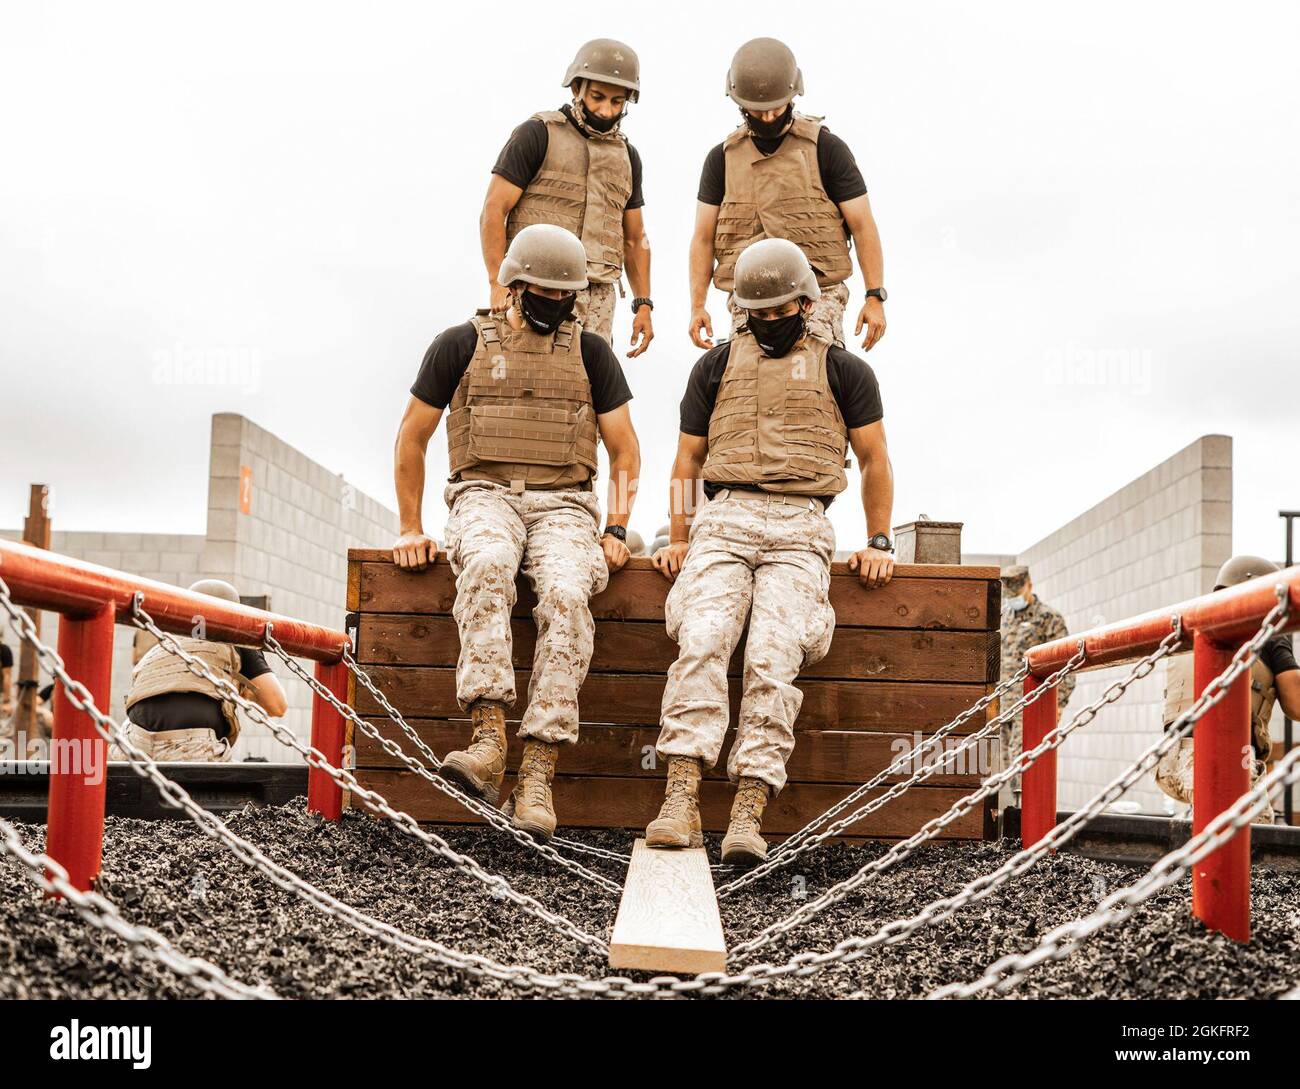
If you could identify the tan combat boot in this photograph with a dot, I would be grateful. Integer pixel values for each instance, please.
(678, 823)
(743, 845)
(530, 807)
(481, 767)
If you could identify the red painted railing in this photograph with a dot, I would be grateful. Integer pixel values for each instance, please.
(1214, 626)
(92, 599)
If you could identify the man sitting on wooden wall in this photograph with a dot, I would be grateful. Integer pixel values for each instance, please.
(765, 425)
(529, 390)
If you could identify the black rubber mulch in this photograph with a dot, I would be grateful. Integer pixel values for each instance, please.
(170, 876)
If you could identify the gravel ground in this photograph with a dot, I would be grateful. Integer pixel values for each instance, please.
(168, 875)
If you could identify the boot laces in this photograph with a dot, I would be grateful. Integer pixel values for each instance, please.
(679, 800)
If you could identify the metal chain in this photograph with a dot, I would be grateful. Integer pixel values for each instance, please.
(103, 914)
(778, 861)
(1006, 972)
(792, 842)
(489, 813)
(1051, 740)
(404, 821)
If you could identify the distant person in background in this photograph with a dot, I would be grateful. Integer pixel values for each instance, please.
(1274, 678)
(6, 681)
(1026, 622)
(174, 714)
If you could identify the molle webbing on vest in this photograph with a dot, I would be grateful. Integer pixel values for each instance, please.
(775, 423)
(160, 672)
(583, 185)
(779, 196)
(1180, 694)
(522, 413)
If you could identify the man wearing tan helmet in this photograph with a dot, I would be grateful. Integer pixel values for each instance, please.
(784, 175)
(173, 714)
(766, 423)
(574, 168)
(529, 391)
(1274, 678)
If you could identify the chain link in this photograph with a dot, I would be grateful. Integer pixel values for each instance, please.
(404, 821)
(1006, 972)
(103, 914)
(489, 813)
(779, 860)
(1051, 740)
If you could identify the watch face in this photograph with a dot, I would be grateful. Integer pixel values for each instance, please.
(881, 294)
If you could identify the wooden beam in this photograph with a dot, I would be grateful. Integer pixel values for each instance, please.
(668, 918)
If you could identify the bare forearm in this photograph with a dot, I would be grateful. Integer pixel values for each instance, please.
(878, 494)
(408, 479)
(624, 472)
(686, 493)
(636, 260)
(701, 270)
(871, 257)
(492, 240)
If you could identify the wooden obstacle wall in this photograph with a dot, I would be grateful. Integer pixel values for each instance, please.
(905, 659)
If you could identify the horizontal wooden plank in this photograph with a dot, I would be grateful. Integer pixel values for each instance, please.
(635, 699)
(823, 756)
(912, 600)
(668, 919)
(644, 647)
(633, 803)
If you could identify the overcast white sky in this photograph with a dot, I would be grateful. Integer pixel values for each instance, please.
(297, 188)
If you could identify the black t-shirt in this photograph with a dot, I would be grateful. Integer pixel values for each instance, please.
(841, 177)
(522, 157)
(193, 710)
(852, 381)
(448, 358)
(1279, 655)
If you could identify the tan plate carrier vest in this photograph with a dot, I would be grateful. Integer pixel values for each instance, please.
(775, 424)
(522, 415)
(160, 672)
(583, 185)
(779, 196)
(1180, 694)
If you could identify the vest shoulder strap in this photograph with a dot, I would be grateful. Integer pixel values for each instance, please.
(486, 325)
(551, 117)
(740, 132)
(567, 333)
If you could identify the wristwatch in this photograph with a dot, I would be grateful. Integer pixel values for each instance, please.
(881, 543)
(641, 301)
(616, 531)
(877, 293)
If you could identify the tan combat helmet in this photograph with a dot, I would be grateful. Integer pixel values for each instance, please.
(763, 75)
(216, 588)
(1241, 569)
(773, 271)
(546, 255)
(607, 61)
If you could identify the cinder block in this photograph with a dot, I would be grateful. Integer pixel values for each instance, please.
(228, 428)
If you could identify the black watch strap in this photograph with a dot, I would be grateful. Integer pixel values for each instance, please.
(881, 543)
(616, 531)
(877, 293)
(641, 301)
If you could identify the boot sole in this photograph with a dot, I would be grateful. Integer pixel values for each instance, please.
(671, 840)
(537, 831)
(742, 855)
(465, 779)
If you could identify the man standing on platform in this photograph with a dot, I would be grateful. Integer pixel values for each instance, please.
(573, 167)
(529, 392)
(765, 425)
(784, 175)
(1026, 622)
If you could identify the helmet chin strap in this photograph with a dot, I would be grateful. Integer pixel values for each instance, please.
(580, 110)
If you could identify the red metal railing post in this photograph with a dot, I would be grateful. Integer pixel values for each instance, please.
(324, 796)
(1038, 782)
(78, 755)
(1221, 775)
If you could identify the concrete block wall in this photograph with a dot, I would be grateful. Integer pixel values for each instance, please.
(1154, 542)
(173, 558)
(290, 543)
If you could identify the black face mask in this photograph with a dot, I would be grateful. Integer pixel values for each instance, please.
(769, 130)
(599, 124)
(545, 315)
(776, 336)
